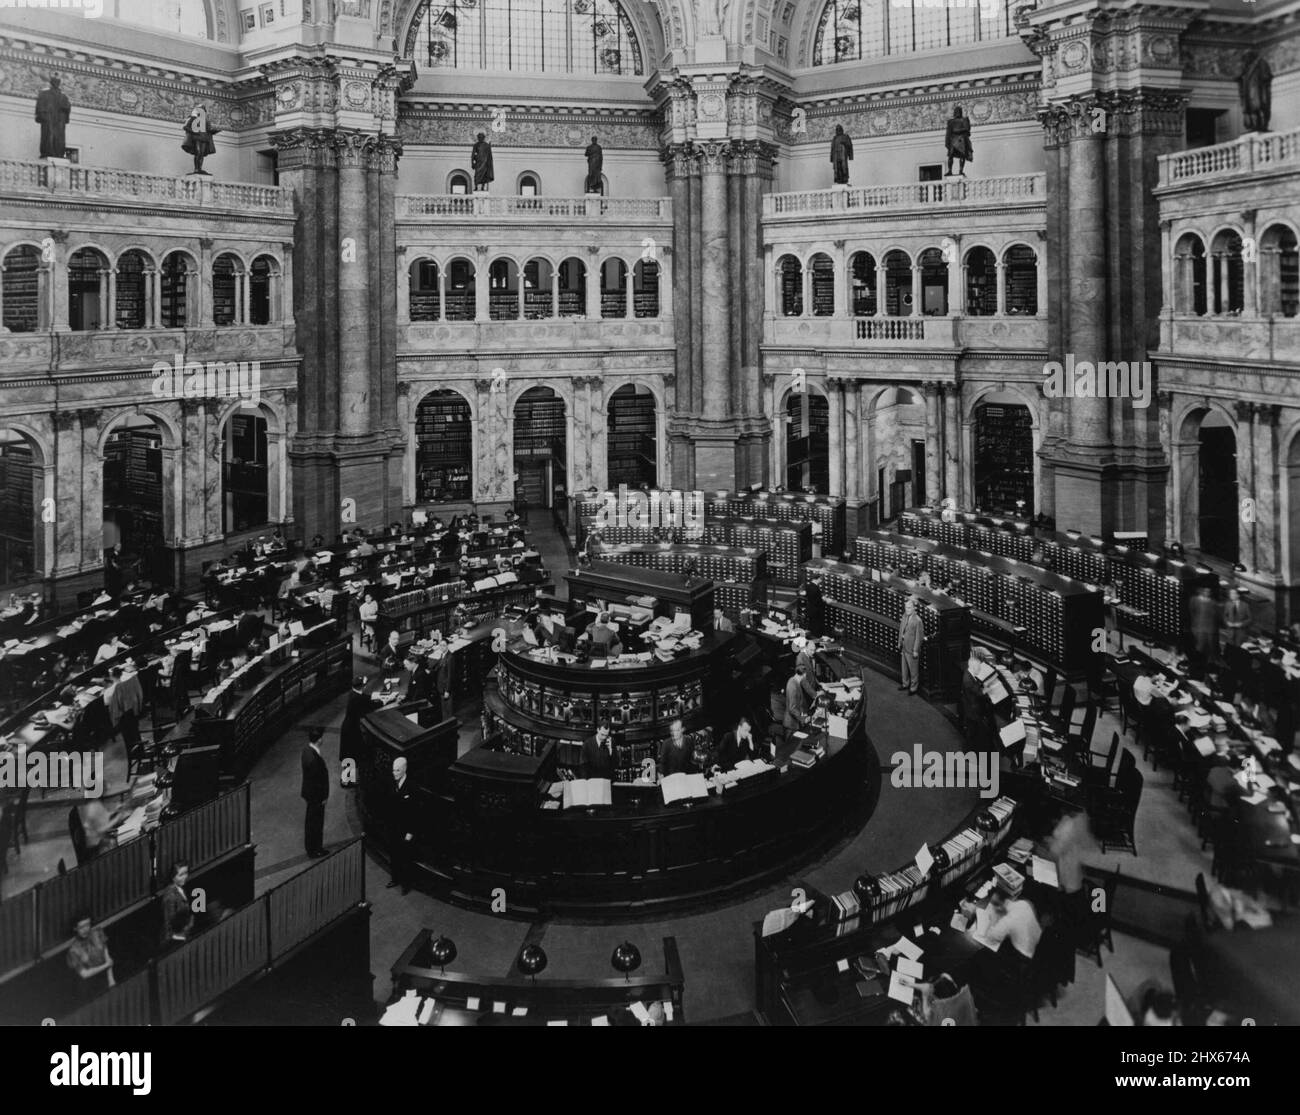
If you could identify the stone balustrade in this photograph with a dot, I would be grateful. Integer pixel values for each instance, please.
(507, 207)
(1252, 154)
(946, 193)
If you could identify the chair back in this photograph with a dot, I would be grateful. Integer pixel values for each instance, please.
(1067, 705)
(1089, 724)
(1127, 763)
(77, 832)
(1203, 900)
(1049, 688)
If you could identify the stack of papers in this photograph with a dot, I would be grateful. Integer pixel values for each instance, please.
(1044, 871)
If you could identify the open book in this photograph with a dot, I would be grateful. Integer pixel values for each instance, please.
(583, 792)
(683, 787)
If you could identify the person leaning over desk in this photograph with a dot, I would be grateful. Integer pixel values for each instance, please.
(674, 758)
(796, 703)
(739, 744)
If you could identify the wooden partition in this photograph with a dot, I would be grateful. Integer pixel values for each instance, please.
(126, 1004)
(17, 930)
(308, 902)
(205, 832)
(108, 884)
(211, 964)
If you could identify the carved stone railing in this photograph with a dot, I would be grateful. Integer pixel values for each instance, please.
(70, 179)
(1251, 154)
(507, 207)
(946, 193)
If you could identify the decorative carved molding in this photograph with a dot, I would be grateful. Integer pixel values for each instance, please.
(681, 160)
(89, 417)
(403, 388)
(353, 149)
(65, 420)
(714, 155)
(483, 386)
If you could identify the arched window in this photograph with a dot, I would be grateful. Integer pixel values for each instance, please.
(176, 270)
(807, 442)
(20, 500)
(227, 281)
(850, 30)
(20, 293)
(1189, 275)
(1020, 273)
(503, 290)
(862, 268)
(823, 285)
(87, 290)
(541, 448)
(263, 290)
(934, 283)
(458, 182)
(790, 276)
(613, 288)
(1228, 283)
(133, 497)
(1279, 272)
(645, 293)
(551, 36)
(632, 452)
(134, 273)
(424, 290)
(244, 473)
(572, 282)
(898, 284)
(981, 283)
(443, 472)
(175, 17)
(460, 295)
(530, 185)
(539, 289)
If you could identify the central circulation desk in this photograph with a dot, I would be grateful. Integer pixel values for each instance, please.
(481, 826)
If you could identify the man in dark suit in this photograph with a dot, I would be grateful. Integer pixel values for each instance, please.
(813, 610)
(911, 636)
(739, 744)
(721, 622)
(360, 705)
(598, 753)
(401, 829)
(604, 635)
(796, 704)
(807, 658)
(315, 792)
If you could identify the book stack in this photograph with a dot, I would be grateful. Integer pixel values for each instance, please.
(960, 848)
(898, 891)
(1021, 850)
(1009, 878)
(845, 905)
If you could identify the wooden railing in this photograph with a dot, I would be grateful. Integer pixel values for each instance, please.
(509, 207)
(125, 1004)
(1250, 154)
(249, 941)
(38, 920)
(108, 884)
(188, 191)
(945, 193)
(211, 964)
(308, 902)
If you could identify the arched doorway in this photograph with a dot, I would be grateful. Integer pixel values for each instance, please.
(1217, 506)
(1003, 456)
(1292, 481)
(633, 457)
(807, 446)
(244, 473)
(133, 498)
(443, 448)
(21, 488)
(893, 451)
(541, 447)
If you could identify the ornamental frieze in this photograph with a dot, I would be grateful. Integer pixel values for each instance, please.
(527, 129)
(885, 117)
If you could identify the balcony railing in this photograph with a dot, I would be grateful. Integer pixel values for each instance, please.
(890, 329)
(20, 176)
(507, 207)
(1251, 154)
(947, 193)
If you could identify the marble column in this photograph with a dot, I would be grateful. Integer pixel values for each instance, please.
(917, 298)
(852, 457)
(835, 396)
(716, 277)
(933, 442)
(108, 299)
(951, 445)
(483, 284)
(1247, 484)
(91, 486)
(594, 309)
(206, 319)
(71, 471)
(1268, 481)
(880, 287)
(54, 275)
(354, 323)
(956, 282)
(1088, 418)
(1000, 270)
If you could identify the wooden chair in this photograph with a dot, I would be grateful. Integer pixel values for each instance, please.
(1119, 808)
(1096, 928)
(1081, 741)
(1049, 688)
(1065, 714)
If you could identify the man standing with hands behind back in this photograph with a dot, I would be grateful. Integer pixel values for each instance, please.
(911, 634)
(401, 828)
(315, 792)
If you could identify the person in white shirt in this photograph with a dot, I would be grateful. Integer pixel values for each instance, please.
(369, 613)
(110, 649)
(1143, 689)
(1013, 920)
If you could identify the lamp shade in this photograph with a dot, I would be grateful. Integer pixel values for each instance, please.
(442, 951)
(626, 958)
(532, 959)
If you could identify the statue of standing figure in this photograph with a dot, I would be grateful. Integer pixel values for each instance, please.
(957, 141)
(198, 138)
(53, 110)
(480, 162)
(1256, 83)
(595, 164)
(841, 155)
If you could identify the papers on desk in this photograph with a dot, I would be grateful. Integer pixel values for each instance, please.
(903, 947)
(1254, 799)
(910, 968)
(900, 988)
(1196, 719)
(1204, 746)
(980, 931)
(960, 921)
(1013, 733)
(586, 792)
(683, 787)
(996, 691)
(982, 671)
(558, 1022)
(1044, 871)
(600, 1020)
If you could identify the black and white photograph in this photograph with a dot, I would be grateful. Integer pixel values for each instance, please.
(651, 513)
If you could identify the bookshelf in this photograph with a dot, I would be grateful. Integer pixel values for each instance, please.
(808, 456)
(632, 445)
(540, 438)
(443, 448)
(17, 513)
(1004, 449)
(21, 276)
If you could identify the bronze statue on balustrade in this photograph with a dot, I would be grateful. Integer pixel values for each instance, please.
(53, 109)
(480, 162)
(198, 138)
(957, 142)
(595, 164)
(1256, 83)
(841, 155)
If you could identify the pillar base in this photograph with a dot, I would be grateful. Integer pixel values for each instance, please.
(363, 470)
(715, 454)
